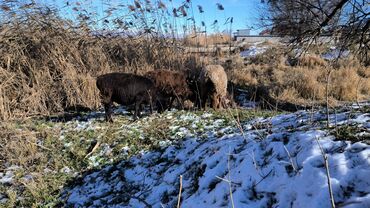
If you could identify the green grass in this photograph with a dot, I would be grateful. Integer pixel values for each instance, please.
(351, 133)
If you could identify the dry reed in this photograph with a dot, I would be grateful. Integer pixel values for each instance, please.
(49, 65)
(305, 80)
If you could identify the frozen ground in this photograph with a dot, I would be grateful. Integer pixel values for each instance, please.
(243, 99)
(266, 162)
(253, 51)
(335, 53)
(332, 54)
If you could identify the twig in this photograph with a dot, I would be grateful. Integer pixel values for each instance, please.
(264, 177)
(240, 127)
(327, 97)
(291, 160)
(254, 162)
(325, 156)
(345, 204)
(230, 188)
(179, 197)
(312, 107)
(39, 145)
(227, 181)
(336, 119)
(142, 201)
(93, 150)
(237, 121)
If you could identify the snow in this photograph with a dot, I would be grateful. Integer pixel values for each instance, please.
(125, 150)
(335, 53)
(253, 51)
(65, 170)
(3, 198)
(27, 178)
(6, 178)
(276, 162)
(243, 99)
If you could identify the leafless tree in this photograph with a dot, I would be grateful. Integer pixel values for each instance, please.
(346, 22)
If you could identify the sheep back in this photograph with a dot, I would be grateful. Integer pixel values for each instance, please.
(216, 75)
(125, 88)
(170, 83)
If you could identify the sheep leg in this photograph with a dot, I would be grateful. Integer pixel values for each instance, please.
(151, 107)
(179, 100)
(161, 105)
(198, 97)
(203, 101)
(169, 106)
(137, 109)
(150, 102)
(216, 101)
(108, 112)
(200, 106)
(221, 103)
(141, 109)
(224, 103)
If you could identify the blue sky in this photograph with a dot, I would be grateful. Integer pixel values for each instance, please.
(244, 12)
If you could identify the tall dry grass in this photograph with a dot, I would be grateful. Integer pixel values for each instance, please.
(49, 64)
(203, 40)
(305, 80)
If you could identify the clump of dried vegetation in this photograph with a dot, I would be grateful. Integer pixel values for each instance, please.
(49, 64)
(302, 80)
(203, 40)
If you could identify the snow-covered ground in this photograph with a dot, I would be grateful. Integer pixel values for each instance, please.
(253, 51)
(273, 162)
(243, 99)
(335, 53)
(332, 54)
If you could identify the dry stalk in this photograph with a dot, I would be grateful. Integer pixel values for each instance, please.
(47, 71)
(325, 157)
(39, 145)
(229, 179)
(96, 146)
(239, 125)
(291, 160)
(329, 71)
(179, 197)
(237, 120)
(312, 108)
(254, 161)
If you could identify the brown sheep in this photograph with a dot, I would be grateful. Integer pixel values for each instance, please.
(172, 85)
(212, 84)
(125, 89)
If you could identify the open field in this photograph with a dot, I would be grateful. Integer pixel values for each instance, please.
(279, 147)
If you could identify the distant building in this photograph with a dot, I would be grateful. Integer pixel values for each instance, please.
(265, 32)
(239, 34)
(245, 36)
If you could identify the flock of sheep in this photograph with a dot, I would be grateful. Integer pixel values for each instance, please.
(161, 88)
